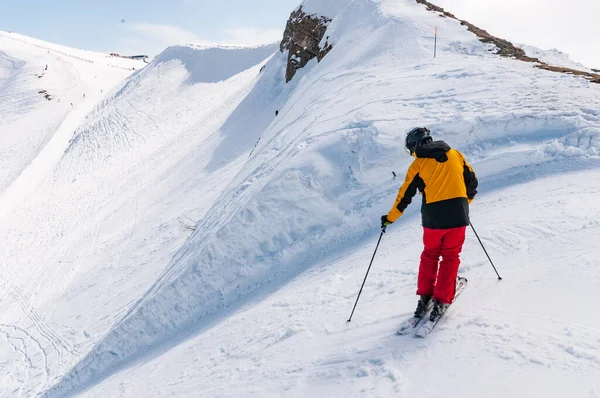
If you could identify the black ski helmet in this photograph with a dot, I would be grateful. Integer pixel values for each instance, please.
(417, 137)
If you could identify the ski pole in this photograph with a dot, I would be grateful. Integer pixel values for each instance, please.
(486, 253)
(368, 269)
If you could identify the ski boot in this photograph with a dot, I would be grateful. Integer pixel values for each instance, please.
(438, 310)
(422, 306)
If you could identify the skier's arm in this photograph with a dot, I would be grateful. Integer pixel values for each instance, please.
(470, 181)
(406, 192)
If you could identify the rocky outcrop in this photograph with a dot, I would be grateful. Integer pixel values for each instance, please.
(302, 36)
(507, 49)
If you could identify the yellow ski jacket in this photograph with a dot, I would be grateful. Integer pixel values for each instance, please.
(445, 180)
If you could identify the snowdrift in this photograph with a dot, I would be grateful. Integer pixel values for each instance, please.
(321, 172)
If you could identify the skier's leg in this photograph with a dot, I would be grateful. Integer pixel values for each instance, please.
(452, 243)
(430, 257)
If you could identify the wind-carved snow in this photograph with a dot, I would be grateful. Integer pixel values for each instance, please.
(320, 173)
(212, 65)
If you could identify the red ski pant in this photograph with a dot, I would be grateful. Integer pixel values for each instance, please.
(438, 279)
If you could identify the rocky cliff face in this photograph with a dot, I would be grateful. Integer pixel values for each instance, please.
(303, 34)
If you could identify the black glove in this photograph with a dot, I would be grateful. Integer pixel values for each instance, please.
(384, 221)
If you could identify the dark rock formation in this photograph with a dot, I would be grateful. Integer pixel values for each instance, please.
(433, 7)
(302, 37)
(506, 48)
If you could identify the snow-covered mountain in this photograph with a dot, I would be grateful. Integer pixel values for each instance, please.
(41, 84)
(170, 235)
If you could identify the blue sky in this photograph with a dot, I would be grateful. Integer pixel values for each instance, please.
(149, 25)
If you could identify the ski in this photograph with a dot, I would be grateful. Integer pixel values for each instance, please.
(428, 326)
(410, 324)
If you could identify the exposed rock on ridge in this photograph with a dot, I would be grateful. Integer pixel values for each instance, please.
(302, 36)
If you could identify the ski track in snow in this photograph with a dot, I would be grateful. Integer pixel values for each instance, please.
(57, 342)
(108, 293)
(44, 350)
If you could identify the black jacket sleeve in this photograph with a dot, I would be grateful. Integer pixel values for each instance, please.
(470, 181)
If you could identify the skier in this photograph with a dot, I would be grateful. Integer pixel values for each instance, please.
(448, 185)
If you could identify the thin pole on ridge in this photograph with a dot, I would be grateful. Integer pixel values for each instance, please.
(486, 253)
(435, 44)
(368, 269)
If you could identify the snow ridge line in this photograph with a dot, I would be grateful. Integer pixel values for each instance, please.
(29, 43)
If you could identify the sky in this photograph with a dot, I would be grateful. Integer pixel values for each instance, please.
(148, 26)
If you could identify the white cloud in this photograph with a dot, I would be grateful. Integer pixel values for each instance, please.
(132, 45)
(167, 34)
(569, 26)
(153, 38)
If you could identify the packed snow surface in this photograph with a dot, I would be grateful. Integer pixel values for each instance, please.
(188, 242)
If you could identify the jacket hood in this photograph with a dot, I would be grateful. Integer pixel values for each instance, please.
(434, 150)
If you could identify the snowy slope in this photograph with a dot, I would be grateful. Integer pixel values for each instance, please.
(315, 186)
(532, 334)
(29, 68)
(34, 134)
(106, 294)
(81, 247)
